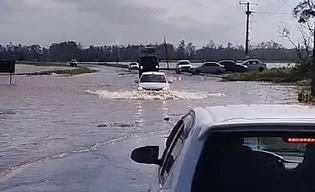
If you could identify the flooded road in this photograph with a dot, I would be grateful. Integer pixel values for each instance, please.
(76, 133)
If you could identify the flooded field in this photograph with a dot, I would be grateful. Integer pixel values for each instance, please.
(76, 133)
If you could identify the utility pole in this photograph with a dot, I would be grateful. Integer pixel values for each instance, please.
(117, 55)
(248, 13)
(166, 53)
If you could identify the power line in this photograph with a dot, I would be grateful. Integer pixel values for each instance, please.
(227, 27)
(271, 13)
(274, 12)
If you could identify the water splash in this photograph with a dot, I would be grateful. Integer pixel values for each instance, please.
(152, 95)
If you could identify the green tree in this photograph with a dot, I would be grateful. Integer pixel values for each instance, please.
(190, 50)
(181, 49)
(305, 13)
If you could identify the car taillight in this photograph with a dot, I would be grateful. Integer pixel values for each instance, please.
(301, 140)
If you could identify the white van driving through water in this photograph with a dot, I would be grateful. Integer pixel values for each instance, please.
(153, 81)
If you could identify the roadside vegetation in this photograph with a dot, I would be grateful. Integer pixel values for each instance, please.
(44, 64)
(73, 71)
(273, 75)
(278, 75)
(300, 75)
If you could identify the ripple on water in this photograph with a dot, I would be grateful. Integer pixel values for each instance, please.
(136, 95)
(7, 112)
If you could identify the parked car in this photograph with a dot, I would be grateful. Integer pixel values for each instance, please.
(183, 66)
(73, 62)
(153, 81)
(133, 66)
(232, 66)
(236, 148)
(209, 67)
(254, 65)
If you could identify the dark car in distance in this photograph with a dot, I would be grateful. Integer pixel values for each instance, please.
(232, 66)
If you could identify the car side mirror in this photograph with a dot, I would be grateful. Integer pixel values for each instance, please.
(170, 81)
(137, 81)
(146, 155)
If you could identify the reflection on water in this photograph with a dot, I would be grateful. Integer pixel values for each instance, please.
(165, 109)
(138, 114)
(136, 95)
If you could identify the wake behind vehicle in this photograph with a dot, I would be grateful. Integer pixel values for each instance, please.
(153, 81)
(183, 66)
(208, 67)
(237, 148)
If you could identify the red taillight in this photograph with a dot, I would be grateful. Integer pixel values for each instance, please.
(301, 140)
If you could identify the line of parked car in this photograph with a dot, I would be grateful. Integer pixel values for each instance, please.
(157, 81)
(221, 66)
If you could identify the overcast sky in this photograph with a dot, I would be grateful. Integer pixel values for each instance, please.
(102, 22)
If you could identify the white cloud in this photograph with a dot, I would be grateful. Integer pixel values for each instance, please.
(139, 21)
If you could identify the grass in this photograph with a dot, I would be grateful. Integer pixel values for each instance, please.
(74, 71)
(273, 75)
(54, 64)
(305, 96)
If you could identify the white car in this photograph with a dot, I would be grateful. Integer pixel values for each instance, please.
(254, 65)
(133, 65)
(153, 81)
(237, 148)
(73, 62)
(183, 66)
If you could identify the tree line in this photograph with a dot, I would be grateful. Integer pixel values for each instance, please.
(67, 50)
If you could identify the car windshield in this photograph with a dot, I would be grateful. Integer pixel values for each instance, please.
(153, 78)
(210, 64)
(183, 63)
(256, 162)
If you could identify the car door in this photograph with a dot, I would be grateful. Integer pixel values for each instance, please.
(254, 65)
(212, 68)
(202, 68)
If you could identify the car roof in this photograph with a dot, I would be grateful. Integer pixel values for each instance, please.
(227, 60)
(153, 73)
(183, 61)
(252, 59)
(212, 62)
(229, 116)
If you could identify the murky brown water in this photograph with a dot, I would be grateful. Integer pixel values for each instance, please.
(76, 133)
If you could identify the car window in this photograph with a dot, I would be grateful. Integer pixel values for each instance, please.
(147, 78)
(175, 144)
(183, 63)
(168, 158)
(272, 161)
(173, 155)
(211, 64)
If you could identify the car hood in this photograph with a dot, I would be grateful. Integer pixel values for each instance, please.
(153, 85)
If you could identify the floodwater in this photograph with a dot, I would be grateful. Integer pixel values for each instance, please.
(76, 133)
